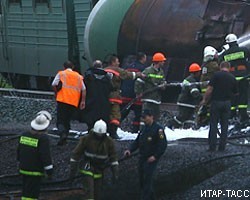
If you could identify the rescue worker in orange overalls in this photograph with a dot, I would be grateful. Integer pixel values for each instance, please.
(70, 93)
(115, 99)
(99, 152)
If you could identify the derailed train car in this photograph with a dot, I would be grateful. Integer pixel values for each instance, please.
(37, 36)
(178, 28)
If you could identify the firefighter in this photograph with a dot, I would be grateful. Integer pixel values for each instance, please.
(189, 97)
(98, 151)
(128, 93)
(238, 58)
(115, 100)
(151, 142)
(209, 67)
(154, 77)
(70, 93)
(34, 156)
(98, 84)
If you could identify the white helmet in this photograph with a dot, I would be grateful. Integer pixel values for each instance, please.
(46, 113)
(100, 127)
(209, 51)
(231, 38)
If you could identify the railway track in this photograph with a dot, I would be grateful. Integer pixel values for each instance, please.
(11, 92)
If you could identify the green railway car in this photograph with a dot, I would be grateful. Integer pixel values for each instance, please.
(37, 36)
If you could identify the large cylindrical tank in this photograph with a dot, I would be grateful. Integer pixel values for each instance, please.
(178, 28)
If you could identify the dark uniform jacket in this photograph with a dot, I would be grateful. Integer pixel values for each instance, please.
(208, 69)
(154, 77)
(190, 95)
(98, 87)
(238, 58)
(33, 153)
(119, 74)
(97, 152)
(151, 141)
(128, 85)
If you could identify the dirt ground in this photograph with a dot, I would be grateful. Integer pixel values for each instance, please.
(184, 172)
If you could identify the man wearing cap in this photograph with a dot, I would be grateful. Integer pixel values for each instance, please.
(154, 77)
(34, 156)
(98, 151)
(151, 142)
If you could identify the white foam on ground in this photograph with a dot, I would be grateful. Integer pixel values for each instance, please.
(170, 134)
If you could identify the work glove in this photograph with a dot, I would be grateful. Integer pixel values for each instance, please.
(226, 47)
(115, 172)
(140, 75)
(73, 169)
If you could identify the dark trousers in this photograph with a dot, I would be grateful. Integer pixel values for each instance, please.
(219, 113)
(93, 187)
(31, 187)
(241, 101)
(64, 116)
(137, 111)
(185, 113)
(146, 174)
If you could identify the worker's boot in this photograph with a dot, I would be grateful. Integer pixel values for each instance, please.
(112, 130)
(63, 135)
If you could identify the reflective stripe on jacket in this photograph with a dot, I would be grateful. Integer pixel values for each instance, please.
(72, 84)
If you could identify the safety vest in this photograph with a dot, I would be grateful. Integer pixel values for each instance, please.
(72, 84)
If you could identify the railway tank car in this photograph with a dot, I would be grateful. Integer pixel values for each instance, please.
(179, 28)
(37, 36)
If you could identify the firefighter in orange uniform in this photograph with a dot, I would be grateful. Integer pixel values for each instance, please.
(70, 92)
(115, 99)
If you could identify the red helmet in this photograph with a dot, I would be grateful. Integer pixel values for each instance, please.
(194, 67)
(158, 57)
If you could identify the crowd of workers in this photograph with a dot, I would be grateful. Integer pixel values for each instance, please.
(219, 84)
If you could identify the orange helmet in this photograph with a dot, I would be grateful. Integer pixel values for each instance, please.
(158, 57)
(194, 67)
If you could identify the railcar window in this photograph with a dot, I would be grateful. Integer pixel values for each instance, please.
(15, 1)
(46, 2)
(0, 8)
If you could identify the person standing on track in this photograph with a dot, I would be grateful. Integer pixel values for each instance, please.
(70, 93)
(128, 93)
(99, 152)
(239, 61)
(115, 99)
(189, 97)
(33, 154)
(221, 88)
(152, 143)
(98, 84)
(154, 77)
